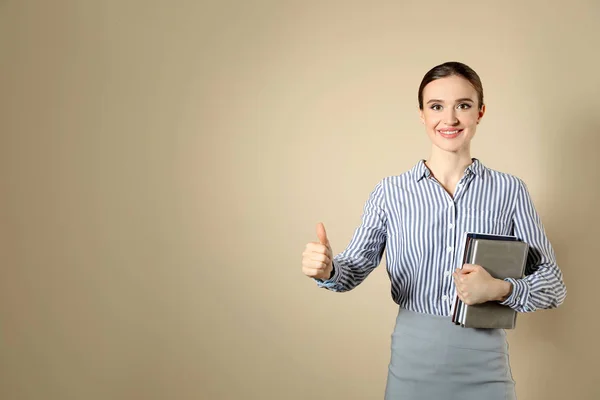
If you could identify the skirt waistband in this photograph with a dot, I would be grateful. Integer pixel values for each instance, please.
(443, 331)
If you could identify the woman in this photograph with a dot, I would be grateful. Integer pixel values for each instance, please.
(419, 218)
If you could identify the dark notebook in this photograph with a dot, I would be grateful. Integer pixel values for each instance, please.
(503, 257)
(458, 305)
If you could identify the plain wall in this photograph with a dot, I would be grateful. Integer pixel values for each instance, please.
(164, 163)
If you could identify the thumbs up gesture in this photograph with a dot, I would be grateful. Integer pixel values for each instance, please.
(317, 258)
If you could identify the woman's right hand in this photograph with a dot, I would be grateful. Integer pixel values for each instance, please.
(317, 259)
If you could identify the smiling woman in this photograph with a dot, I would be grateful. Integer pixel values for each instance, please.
(453, 97)
(419, 219)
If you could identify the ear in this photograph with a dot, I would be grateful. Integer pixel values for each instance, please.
(421, 115)
(481, 113)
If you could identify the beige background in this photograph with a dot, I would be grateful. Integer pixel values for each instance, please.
(163, 163)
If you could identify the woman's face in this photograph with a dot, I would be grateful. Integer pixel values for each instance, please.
(450, 113)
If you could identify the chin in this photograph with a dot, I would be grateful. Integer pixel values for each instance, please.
(450, 147)
(458, 144)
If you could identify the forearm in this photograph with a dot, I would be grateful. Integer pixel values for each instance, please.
(501, 290)
(543, 286)
(544, 289)
(348, 272)
(365, 249)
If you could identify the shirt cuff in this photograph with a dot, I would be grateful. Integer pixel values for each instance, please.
(331, 282)
(519, 294)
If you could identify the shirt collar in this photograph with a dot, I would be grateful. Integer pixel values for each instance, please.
(421, 171)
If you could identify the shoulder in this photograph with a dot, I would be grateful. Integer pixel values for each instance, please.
(394, 186)
(507, 186)
(400, 180)
(503, 178)
(391, 187)
(396, 179)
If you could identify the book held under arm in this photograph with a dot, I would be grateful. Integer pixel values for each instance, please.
(502, 257)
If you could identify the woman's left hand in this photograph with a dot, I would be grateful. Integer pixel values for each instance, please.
(474, 285)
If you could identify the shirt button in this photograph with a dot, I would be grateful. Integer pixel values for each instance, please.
(447, 273)
(449, 249)
(444, 297)
(450, 226)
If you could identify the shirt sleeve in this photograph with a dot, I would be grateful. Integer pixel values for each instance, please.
(542, 286)
(365, 250)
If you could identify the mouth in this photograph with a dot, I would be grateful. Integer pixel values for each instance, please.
(449, 133)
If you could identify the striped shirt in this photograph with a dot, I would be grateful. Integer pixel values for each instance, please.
(421, 228)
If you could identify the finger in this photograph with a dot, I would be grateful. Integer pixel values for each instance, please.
(312, 272)
(321, 258)
(308, 268)
(317, 247)
(322, 234)
(317, 257)
(467, 268)
(314, 264)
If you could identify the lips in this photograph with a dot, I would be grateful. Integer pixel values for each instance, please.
(449, 133)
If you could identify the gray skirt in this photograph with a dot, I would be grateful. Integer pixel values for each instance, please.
(434, 359)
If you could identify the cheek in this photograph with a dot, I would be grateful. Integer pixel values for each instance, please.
(470, 118)
(430, 127)
(431, 121)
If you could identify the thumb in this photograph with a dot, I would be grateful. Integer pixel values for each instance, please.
(467, 268)
(321, 234)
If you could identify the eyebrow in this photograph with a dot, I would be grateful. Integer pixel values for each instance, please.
(457, 100)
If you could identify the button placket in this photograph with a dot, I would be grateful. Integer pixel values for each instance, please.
(451, 235)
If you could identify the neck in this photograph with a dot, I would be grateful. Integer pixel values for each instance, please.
(448, 167)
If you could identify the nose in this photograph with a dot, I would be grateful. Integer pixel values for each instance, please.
(450, 117)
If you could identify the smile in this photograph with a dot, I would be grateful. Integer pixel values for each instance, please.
(450, 133)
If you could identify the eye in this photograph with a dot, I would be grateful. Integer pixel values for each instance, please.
(436, 107)
(464, 106)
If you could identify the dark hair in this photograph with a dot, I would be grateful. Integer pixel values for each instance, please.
(452, 68)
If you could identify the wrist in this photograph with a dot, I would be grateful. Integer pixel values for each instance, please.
(504, 289)
(327, 274)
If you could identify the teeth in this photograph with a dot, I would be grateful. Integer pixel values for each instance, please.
(449, 132)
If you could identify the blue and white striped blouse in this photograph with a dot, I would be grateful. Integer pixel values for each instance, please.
(421, 227)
